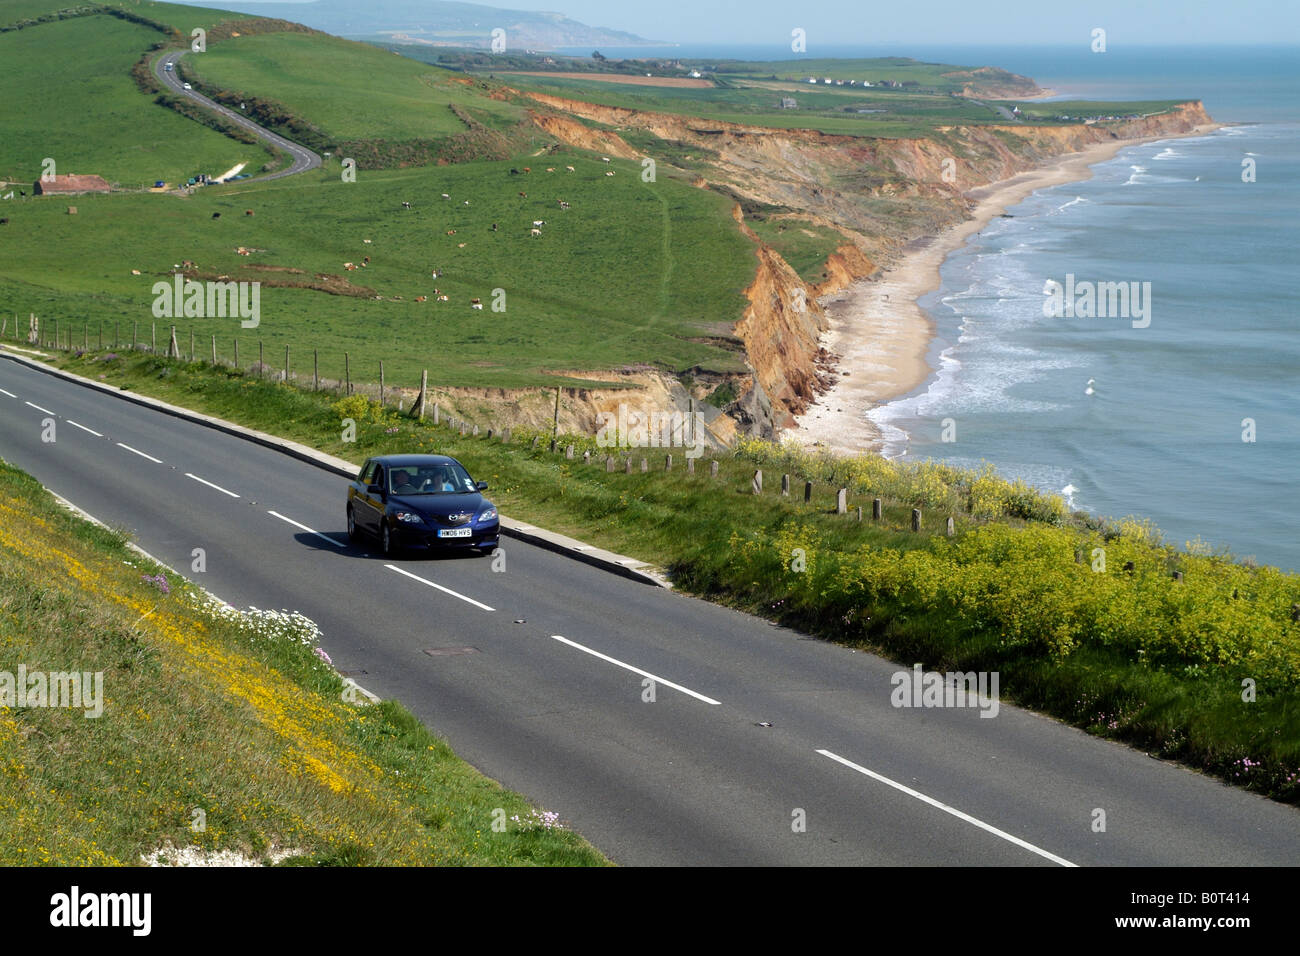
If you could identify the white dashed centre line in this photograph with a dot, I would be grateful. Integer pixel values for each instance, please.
(947, 809)
(83, 428)
(38, 408)
(276, 514)
(204, 481)
(136, 451)
(637, 670)
(10, 394)
(468, 600)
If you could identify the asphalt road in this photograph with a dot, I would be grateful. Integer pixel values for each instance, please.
(550, 699)
(303, 158)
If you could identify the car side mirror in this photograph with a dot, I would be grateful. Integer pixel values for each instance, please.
(480, 485)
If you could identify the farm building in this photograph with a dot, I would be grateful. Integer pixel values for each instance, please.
(70, 185)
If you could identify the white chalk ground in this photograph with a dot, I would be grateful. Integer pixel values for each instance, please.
(196, 856)
(232, 171)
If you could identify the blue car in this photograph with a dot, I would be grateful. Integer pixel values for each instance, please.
(421, 502)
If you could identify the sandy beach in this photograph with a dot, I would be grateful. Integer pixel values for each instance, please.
(880, 333)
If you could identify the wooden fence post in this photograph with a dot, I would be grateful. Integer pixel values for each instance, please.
(690, 466)
(807, 492)
(315, 370)
(568, 452)
(877, 509)
(236, 352)
(645, 465)
(381, 381)
(347, 375)
(785, 485)
(756, 483)
(609, 463)
(859, 512)
(668, 462)
(261, 355)
(628, 469)
(286, 364)
(841, 501)
(952, 526)
(214, 348)
(191, 345)
(713, 468)
(916, 519)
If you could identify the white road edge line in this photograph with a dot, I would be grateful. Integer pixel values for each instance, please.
(204, 481)
(10, 394)
(947, 809)
(37, 407)
(637, 670)
(469, 600)
(136, 451)
(276, 514)
(83, 428)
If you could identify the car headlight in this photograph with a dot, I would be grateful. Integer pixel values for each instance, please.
(489, 515)
(410, 517)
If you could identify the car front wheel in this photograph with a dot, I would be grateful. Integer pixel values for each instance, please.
(352, 525)
(386, 540)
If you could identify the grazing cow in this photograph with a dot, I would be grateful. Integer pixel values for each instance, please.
(563, 204)
(134, 272)
(442, 298)
(366, 259)
(466, 202)
(570, 169)
(550, 169)
(445, 196)
(435, 274)
(248, 212)
(366, 241)
(527, 170)
(216, 215)
(610, 173)
(513, 171)
(406, 205)
(364, 264)
(460, 245)
(4, 221)
(476, 304)
(350, 266)
(604, 159)
(524, 195)
(534, 232)
(451, 232)
(494, 227)
(187, 264)
(539, 222)
(421, 298)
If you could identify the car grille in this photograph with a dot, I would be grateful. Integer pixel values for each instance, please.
(459, 517)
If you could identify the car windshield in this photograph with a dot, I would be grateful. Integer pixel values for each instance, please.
(440, 479)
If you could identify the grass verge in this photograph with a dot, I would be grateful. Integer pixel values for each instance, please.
(220, 732)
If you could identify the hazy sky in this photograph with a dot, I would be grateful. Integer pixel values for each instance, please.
(860, 22)
(1045, 22)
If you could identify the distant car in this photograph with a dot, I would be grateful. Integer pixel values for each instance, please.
(421, 502)
(188, 87)
(167, 67)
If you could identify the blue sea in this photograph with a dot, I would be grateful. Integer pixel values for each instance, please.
(1161, 434)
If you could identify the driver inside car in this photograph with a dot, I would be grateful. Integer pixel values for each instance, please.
(402, 483)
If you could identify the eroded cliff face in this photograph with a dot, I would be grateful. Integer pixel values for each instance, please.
(879, 194)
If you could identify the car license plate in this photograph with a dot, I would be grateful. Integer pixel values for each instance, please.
(455, 532)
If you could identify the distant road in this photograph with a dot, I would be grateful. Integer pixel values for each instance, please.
(303, 158)
(667, 730)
